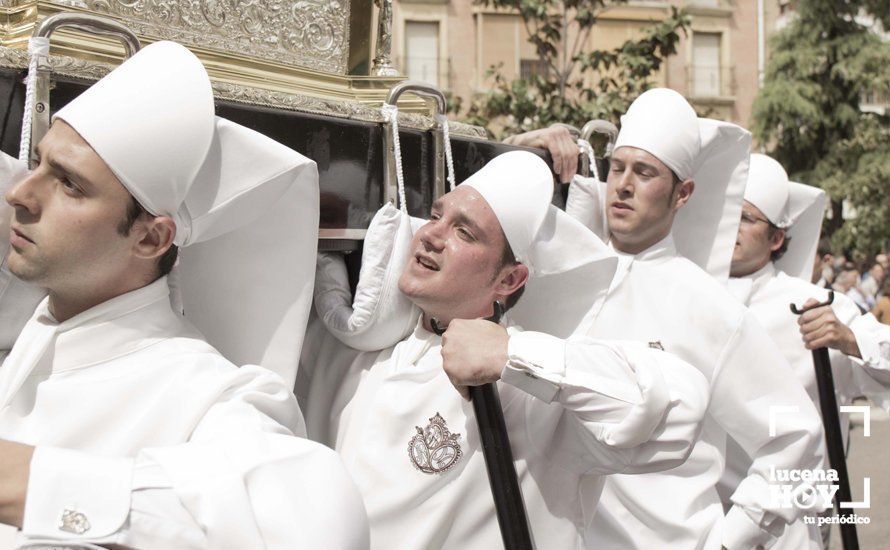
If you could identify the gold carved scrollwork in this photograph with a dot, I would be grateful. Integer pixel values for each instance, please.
(92, 70)
(306, 33)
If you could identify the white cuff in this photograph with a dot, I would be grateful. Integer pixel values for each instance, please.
(868, 340)
(76, 496)
(740, 532)
(535, 364)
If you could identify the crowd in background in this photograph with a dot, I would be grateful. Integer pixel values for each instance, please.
(866, 282)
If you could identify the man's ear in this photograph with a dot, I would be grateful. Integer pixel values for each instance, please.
(684, 193)
(155, 237)
(776, 240)
(512, 278)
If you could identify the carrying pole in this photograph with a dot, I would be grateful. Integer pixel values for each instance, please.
(498, 455)
(833, 435)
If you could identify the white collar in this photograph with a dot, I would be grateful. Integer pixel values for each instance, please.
(768, 271)
(114, 328)
(665, 248)
(410, 350)
(745, 287)
(109, 309)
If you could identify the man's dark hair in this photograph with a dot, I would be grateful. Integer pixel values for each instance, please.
(134, 210)
(779, 252)
(509, 259)
(675, 181)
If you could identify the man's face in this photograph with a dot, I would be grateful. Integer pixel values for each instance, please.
(641, 199)
(753, 245)
(64, 229)
(877, 273)
(455, 268)
(884, 260)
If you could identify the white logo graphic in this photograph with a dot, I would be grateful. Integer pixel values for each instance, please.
(813, 488)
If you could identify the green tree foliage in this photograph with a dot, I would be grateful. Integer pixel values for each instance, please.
(578, 84)
(808, 113)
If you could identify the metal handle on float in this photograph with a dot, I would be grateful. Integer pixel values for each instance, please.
(426, 91)
(600, 127)
(583, 160)
(101, 26)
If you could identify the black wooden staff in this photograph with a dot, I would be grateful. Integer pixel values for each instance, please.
(833, 436)
(498, 455)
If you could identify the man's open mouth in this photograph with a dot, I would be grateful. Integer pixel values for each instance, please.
(426, 262)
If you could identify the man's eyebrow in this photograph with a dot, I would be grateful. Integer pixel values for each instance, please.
(437, 205)
(462, 218)
(69, 171)
(646, 165)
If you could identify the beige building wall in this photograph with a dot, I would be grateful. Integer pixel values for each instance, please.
(716, 66)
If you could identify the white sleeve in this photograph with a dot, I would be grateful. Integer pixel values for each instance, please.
(242, 481)
(634, 409)
(754, 390)
(873, 339)
(869, 374)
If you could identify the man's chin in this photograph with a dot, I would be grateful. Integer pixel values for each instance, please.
(21, 269)
(412, 288)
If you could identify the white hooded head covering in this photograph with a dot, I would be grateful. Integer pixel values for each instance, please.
(795, 207)
(712, 153)
(245, 206)
(767, 189)
(570, 268)
(152, 121)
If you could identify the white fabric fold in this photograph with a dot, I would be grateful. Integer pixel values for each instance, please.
(379, 314)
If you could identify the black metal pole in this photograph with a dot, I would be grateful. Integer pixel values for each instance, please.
(501, 470)
(834, 439)
(502, 478)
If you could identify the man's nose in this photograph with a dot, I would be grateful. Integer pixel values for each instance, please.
(24, 195)
(432, 237)
(624, 184)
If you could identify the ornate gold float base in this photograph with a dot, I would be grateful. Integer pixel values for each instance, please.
(305, 55)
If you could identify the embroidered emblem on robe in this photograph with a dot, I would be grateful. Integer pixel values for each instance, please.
(434, 449)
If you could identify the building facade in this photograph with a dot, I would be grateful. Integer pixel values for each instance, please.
(718, 66)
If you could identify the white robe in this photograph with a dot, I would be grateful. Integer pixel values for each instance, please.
(17, 302)
(574, 410)
(148, 434)
(768, 294)
(659, 296)
(874, 345)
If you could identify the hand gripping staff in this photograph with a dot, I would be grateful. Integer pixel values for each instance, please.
(499, 457)
(833, 437)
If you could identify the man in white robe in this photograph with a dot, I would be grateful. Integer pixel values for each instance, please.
(120, 424)
(17, 298)
(771, 269)
(575, 408)
(649, 211)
